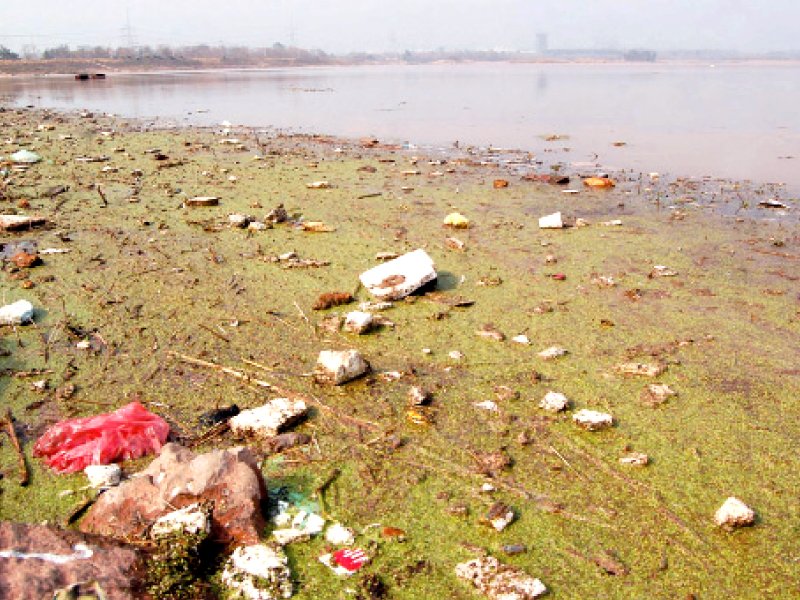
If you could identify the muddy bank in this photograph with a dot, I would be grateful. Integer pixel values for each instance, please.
(146, 293)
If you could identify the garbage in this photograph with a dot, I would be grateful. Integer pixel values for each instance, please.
(592, 420)
(337, 367)
(229, 481)
(635, 459)
(129, 432)
(339, 535)
(598, 182)
(267, 421)
(20, 222)
(331, 299)
(498, 581)
(662, 271)
(734, 513)
(418, 396)
(553, 221)
(500, 516)
(554, 402)
(399, 277)
(258, 572)
(25, 157)
(103, 476)
(218, 415)
(456, 221)
(521, 339)
(345, 562)
(552, 353)
(192, 519)
(304, 525)
(318, 185)
(16, 313)
(358, 322)
(202, 201)
(455, 244)
(514, 549)
(640, 369)
(500, 183)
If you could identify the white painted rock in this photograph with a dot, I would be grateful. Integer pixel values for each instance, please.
(554, 402)
(553, 221)
(399, 277)
(258, 573)
(498, 581)
(190, 519)
(734, 513)
(339, 366)
(103, 476)
(358, 322)
(17, 313)
(339, 535)
(267, 421)
(592, 420)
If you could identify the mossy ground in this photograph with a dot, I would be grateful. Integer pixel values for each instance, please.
(150, 280)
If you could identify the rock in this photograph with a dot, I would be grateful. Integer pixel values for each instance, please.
(258, 572)
(456, 354)
(268, 420)
(230, 479)
(635, 459)
(37, 560)
(16, 313)
(218, 415)
(19, 222)
(400, 277)
(358, 322)
(554, 402)
(498, 581)
(592, 420)
(552, 353)
(339, 366)
(734, 513)
(662, 271)
(553, 221)
(285, 441)
(339, 535)
(521, 339)
(103, 476)
(657, 393)
(192, 519)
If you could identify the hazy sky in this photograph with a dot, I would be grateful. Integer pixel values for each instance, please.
(388, 25)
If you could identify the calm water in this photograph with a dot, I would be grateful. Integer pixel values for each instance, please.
(737, 121)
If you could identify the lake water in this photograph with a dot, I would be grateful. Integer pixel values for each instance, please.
(731, 121)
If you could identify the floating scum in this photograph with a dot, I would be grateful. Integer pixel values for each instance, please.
(523, 404)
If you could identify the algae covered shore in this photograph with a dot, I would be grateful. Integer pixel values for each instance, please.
(147, 280)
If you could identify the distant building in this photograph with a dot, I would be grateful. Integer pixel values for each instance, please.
(541, 43)
(640, 56)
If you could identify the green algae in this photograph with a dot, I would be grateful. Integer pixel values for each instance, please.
(147, 275)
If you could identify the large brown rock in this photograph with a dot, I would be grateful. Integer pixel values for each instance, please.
(230, 479)
(37, 560)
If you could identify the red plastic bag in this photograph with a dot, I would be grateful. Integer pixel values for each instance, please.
(130, 432)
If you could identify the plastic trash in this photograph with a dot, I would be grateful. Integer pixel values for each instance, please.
(130, 432)
(16, 313)
(25, 157)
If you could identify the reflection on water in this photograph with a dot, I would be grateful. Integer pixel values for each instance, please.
(736, 121)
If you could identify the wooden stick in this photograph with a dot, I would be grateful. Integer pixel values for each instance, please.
(214, 332)
(8, 426)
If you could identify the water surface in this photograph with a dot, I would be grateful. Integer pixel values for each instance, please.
(731, 121)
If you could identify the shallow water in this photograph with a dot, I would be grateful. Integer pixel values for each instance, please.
(730, 121)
